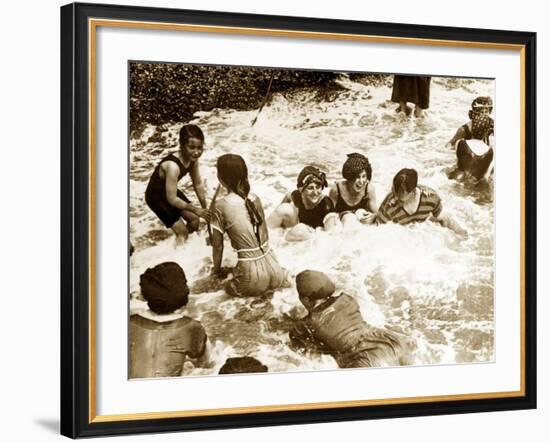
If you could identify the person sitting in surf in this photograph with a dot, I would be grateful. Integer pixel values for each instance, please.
(354, 197)
(473, 142)
(480, 106)
(305, 208)
(409, 202)
(240, 214)
(163, 338)
(162, 196)
(334, 325)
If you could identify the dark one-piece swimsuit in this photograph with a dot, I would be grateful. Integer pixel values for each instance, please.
(155, 195)
(343, 207)
(312, 217)
(468, 161)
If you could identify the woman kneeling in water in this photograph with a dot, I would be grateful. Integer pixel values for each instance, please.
(354, 197)
(240, 214)
(305, 208)
(409, 202)
(473, 142)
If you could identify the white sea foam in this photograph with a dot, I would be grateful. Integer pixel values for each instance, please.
(405, 278)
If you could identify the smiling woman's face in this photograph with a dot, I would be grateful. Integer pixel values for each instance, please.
(193, 149)
(359, 183)
(312, 192)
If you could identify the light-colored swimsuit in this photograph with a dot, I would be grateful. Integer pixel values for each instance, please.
(258, 270)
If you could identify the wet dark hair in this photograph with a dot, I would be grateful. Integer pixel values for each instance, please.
(190, 131)
(164, 287)
(354, 165)
(243, 364)
(233, 172)
(405, 181)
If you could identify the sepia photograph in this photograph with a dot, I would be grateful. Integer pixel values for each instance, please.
(285, 220)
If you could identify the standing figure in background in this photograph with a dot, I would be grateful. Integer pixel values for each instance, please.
(305, 208)
(162, 196)
(240, 214)
(411, 89)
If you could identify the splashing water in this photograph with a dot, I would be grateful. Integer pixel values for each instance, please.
(419, 280)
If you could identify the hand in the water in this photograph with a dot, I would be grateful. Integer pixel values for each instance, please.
(222, 272)
(365, 217)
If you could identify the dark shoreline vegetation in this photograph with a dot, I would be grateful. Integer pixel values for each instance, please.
(164, 93)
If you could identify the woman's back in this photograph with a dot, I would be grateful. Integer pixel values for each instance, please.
(231, 216)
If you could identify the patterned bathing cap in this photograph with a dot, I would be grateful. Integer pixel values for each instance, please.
(481, 105)
(310, 174)
(354, 165)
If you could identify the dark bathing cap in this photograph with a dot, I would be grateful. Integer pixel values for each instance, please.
(164, 287)
(354, 165)
(309, 174)
(314, 285)
(482, 103)
(243, 364)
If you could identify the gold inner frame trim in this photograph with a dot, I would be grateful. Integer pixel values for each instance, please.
(93, 24)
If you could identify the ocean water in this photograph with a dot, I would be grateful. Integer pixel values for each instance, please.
(421, 281)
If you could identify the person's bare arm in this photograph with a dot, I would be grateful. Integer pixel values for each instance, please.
(373, 201)
(171, 172)
(198, 185)
(333, 194)
(449, 222)
(460, 133)
(217, 252)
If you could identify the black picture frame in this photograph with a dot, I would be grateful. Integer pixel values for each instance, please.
(77, 418)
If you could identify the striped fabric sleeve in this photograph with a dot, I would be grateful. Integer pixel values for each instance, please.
(382, 216)
(438, 206)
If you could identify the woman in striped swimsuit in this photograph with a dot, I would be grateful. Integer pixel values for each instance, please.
(240, 214)
(409, 202)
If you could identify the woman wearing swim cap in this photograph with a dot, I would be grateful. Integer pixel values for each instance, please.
(473, 142)
(354, 197)
(305, 208)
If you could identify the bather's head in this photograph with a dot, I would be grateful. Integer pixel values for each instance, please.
(191, 142)
(313, 286)
(164, 287)
(404, 185)
(242, 364)
(311, 182)
(357, 171)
